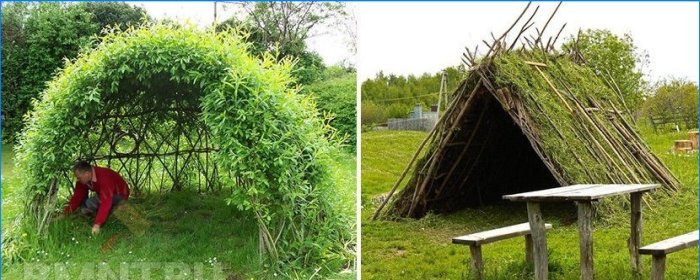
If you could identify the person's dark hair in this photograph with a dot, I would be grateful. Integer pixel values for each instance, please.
(82, 166)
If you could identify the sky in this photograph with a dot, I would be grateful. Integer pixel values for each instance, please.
(330, 44)
(419, 37)
(414, 38)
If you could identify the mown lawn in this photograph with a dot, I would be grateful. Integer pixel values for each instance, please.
(192, 236)
(421, 249)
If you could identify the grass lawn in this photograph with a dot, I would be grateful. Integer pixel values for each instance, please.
(10, 207)
(422, 249)
(196, 234)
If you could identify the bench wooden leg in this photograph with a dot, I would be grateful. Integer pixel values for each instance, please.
(658, 267)
(585, 217)
(539, 241)
(635, 233)
(477, 265)
(528, 248)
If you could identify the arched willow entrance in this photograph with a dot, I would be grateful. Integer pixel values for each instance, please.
(174, 108)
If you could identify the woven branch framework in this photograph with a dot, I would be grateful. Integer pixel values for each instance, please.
(157, 142)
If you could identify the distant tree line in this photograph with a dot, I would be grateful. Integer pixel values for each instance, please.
(392, 96)
(613, 58)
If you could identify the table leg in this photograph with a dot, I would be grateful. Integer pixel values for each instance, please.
(585, 219)
(539, 240)
(636, 232)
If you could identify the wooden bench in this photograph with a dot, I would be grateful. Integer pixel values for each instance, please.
(660, 249)
(475, 240)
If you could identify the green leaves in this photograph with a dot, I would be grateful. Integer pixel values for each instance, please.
(38, 39)
(674, 99)
(614, 58)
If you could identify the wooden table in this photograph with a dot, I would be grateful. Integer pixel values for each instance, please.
(583, 195)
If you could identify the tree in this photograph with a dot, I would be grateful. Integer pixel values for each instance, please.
(674, 98)
(372, 113)
(282, 28)
(336, 97)
(37, 38)
(13, 42)
(115, 13)
(613, 58)
(283, 25)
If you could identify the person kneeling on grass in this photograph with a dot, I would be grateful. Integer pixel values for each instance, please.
(110, 189)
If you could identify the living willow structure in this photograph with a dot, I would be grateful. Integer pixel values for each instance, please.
(527, 117)
(174, 108)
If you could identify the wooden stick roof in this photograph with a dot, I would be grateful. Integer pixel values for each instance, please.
(573, 120)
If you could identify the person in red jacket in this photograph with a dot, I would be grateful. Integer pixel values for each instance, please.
(109, 186)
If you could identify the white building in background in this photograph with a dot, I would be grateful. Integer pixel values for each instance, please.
(417, 120)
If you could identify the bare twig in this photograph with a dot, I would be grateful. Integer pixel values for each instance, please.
(526, 25)
(525, 28)
(558, 33)
(511, 27)
(539, 36)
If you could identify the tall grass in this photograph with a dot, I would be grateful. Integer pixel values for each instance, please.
(192, 233)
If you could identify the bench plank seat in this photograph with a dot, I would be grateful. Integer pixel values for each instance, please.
(494, 235)
(671, 245)
(660, 249)
(475, 240)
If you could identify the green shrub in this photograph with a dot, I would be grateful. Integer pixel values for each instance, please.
(398, 110)
(674, 99)
(336, 95)
(37, 37)
(372, 113)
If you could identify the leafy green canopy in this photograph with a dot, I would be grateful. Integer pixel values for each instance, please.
(616, 58)
(674, 99)
(37, 37)
(269, 138)
(336, 96)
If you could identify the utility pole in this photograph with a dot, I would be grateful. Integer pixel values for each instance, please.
(215, 22)
(443, 89)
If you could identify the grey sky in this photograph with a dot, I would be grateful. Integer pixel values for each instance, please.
(413, 38)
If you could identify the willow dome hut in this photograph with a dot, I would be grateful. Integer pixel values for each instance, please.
(524, 119)
(177, 108)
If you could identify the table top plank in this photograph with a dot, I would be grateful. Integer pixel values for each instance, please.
(547, 192)
(608, 190)
(671, 245)
(580, 192)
